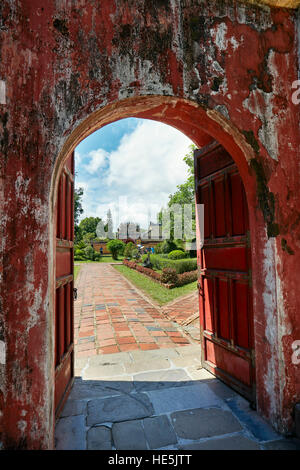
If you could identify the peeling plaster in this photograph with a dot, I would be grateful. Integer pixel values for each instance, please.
(80, 67)
(220, 36)
(260, 104)
(270, 306)
(243, 144)
(2, 92)
(2, 353)
(259, 19)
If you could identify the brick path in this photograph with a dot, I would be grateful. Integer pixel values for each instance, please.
(182, 309)
(110, 316)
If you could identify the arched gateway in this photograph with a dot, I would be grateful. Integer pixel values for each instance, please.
(214, 70)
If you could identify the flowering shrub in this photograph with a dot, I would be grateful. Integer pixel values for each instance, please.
(186, 278)
(169, 276)
(142, 269)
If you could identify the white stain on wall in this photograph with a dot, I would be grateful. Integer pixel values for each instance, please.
(2, 92)
(2, 353)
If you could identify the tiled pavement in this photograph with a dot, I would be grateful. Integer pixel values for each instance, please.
(182, 309)
(185, 312)
(158, 399)
(111, 316)
(149, 399)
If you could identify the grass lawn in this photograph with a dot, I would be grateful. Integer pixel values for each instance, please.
(155, 291)
(109, 259)
(76, 271)
(104, 259)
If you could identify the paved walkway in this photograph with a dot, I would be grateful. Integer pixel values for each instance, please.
(183, 309)
(158, 399)
(111, 316)
(153, 393)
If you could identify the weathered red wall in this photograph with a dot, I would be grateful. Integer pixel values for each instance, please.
(65, 60)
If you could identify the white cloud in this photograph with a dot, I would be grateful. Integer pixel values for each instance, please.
(78, 158)
(146, 167)
(97, 160)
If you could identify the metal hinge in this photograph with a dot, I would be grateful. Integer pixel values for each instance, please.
(75, 293)
(200, 289)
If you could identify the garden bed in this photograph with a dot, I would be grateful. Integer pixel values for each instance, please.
(181, 266)
(152, 288)
(181, 279)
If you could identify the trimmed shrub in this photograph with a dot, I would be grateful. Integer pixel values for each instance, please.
(97, 256)
(128, 250)
(79, 253)
(179, 244)
(89, 253)
(158, 248)
(186, 278)
(135, 253)
(142, 269)
(80, 245)
(116, 247)
(169, 276)
(177, 254)
(180, 265)
(168, 246)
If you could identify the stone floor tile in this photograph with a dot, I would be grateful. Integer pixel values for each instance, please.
(89, 389)
(116, 409)
(157, 380)
(159, 432)
(102, 371)
(129, 435)
(282, 444)
(183, 398)
(147, 364)
(259, 428)
(70, 433)
(237, 442)
(73, 408)
(99, 438)
(204, 422)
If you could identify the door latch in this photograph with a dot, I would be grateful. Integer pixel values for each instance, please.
(199, 287)
(75, 293)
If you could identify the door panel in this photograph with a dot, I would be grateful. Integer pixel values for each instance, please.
(64, 342)
(225, 294)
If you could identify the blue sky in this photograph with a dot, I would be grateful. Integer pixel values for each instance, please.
(130, 166)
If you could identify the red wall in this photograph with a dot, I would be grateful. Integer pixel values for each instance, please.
(71, 69)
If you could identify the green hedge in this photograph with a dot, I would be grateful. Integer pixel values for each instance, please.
(178, 254)
(180, 265)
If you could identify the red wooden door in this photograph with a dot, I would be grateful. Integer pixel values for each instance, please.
(224, 281)
(64, 342)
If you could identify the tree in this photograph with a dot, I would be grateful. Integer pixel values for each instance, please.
(128, 249)
(88, 237)
(185, 194)
(115, 247)
(89, 225)
(78, 210)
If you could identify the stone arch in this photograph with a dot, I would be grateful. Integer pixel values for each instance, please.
(201, 127)
(72, 74)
